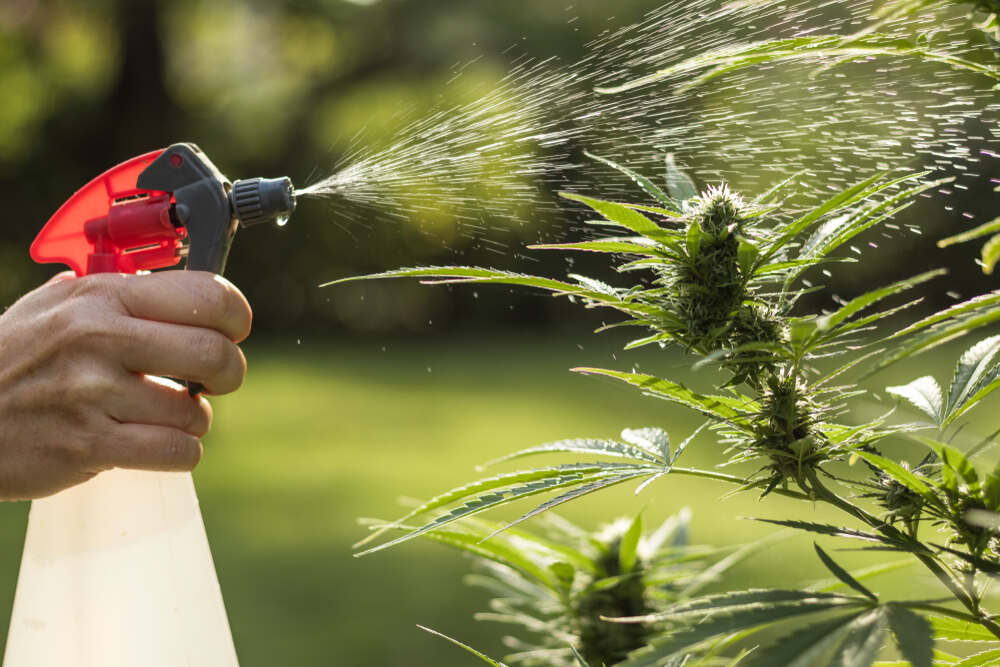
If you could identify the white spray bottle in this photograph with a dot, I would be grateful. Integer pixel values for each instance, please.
(117, 572)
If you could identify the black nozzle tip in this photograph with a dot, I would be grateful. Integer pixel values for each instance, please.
(257, 200)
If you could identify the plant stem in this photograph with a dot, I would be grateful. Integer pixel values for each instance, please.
(956, 589)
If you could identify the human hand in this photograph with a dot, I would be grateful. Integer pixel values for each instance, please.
(79, 366)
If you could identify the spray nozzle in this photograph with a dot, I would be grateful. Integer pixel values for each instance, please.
(257, 200)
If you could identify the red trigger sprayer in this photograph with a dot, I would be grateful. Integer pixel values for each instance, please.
(117, 571)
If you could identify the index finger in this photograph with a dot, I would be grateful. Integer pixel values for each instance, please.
(193, 298)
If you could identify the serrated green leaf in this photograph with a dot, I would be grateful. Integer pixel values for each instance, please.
(596, 483)
(469, 649)
(727, 613)
(501, 486)
(991, 227)
(733, 410)
(622, 215)
(803, 643)
(913, 634)
(924, 394)
(835, 233)
(862, 574)
(610, 448)
(843, 574)
(984, 659)
(611, 245)
(828, 324)
(977, 374)
(650, 439)
(839, 201)
(831, 530)
(647, 185)
(628, 548)
(679, 184)
(496, 551)
(942, 327)
(953, 629)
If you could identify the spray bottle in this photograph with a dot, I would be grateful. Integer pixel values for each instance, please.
(117, 572)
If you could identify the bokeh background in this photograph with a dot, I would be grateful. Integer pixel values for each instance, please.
(359, 396)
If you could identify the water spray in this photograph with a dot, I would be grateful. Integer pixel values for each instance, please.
(117, 571)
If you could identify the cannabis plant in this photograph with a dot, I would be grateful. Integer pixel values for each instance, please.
(721, 276)
(555, 588)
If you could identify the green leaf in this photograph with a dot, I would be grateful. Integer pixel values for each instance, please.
(815, 645)
(628, 549)
(990, 254)
(733, 410)
(471, 650)
(953, 460)
(991, 489)
(650, 439)
(942, 327)
(984, 659)
(833, 531)
(679, 184)
(991, 227)
(726, 613)
(693, 242)
(631, 246)
(647, 185)
(610, 448)
(495, 491)
(839, 201)
(622, 215)
(843, 574)
(953, 629)
(864, 573)
(977, 374)
(913, 634)
(901, 475)
(747, 255)
(496, 551)
(838, 231)
(924, 394)
(587, 487)
(829, 323)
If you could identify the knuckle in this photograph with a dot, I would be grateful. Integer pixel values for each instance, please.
(85, 385)
(182, 451)
(230, 308)
(212, 351)
(199, 418)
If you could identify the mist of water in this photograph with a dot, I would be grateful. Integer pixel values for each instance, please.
(501, 156)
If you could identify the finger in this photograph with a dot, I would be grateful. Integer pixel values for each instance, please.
(145, 447)
(184, 352)
(194, 298)
(142, 399)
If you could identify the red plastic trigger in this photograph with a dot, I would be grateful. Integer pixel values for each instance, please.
(111, 225)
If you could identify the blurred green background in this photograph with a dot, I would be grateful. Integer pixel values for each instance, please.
(357, 396)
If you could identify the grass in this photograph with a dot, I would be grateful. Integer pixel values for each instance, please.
(322, 434)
